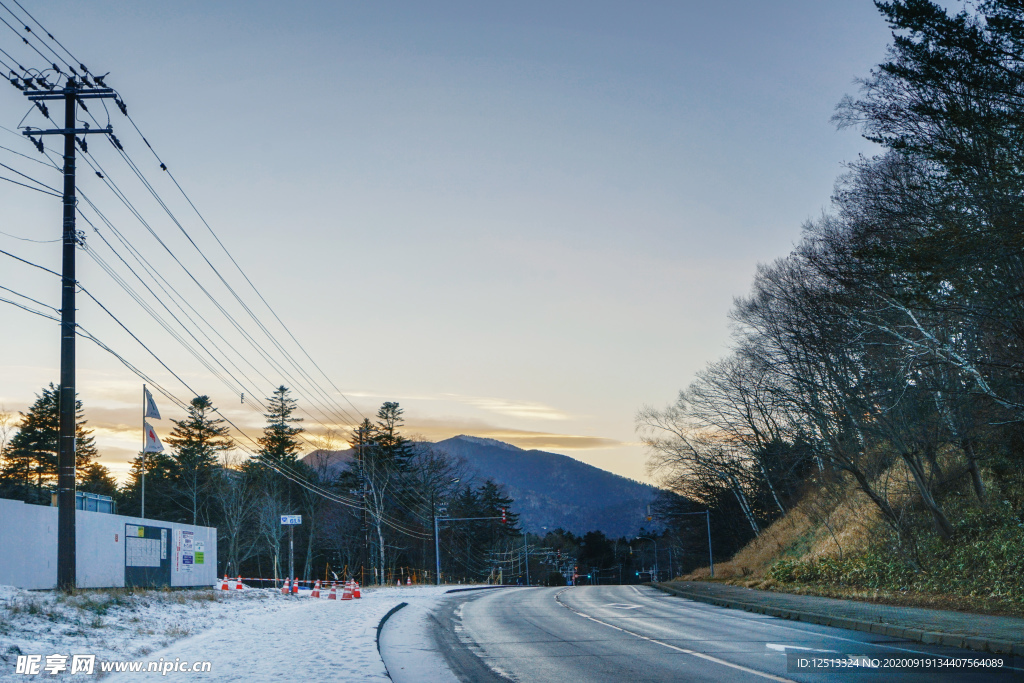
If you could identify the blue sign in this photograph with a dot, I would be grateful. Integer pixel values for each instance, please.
(291, 519)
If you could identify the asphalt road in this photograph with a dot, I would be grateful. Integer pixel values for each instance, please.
(632, 634)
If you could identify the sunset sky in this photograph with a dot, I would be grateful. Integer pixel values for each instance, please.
(519, 220)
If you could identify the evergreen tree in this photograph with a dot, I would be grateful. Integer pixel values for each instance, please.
(390, 446)
(30, 460)
(160, 488)
(95, 478)
(197, 441)
(280, 441)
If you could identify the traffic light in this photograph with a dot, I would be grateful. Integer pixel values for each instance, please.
(504, 519)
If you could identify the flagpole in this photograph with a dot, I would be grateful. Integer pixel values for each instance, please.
(143, 515)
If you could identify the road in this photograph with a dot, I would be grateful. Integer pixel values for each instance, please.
(638, 634)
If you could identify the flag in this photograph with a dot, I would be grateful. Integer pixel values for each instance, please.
(153, 444)
(151, 410)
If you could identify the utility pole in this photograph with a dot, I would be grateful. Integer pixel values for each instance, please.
(526, 547)
(71, 93)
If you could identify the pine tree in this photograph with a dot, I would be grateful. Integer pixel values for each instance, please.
(30, 460)
(160, 502)
(197, 441)
(280, 437)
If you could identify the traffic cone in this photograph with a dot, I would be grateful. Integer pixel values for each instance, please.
(295, 586)
(408, 581)
(224, 586)
(316, 590)
(333, 595)
(347, 593)
(285, 589)
(238, 586)
(355, 590)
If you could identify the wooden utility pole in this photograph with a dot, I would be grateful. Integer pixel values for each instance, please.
(71, 93)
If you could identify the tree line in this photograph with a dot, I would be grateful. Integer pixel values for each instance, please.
(885, 353)
(367, 511)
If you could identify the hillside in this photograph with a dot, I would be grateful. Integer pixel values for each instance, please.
(553, 490)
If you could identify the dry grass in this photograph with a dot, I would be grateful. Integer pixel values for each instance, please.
(803, 534)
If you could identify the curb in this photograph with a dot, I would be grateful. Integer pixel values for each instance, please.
(384, 621)
(980, 643)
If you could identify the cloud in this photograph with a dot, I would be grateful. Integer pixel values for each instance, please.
(531, 410)
(440, 429)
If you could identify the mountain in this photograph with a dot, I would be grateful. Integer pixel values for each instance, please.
(552, 490)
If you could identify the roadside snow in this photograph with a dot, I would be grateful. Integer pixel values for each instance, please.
(310, 640)
(115, 624)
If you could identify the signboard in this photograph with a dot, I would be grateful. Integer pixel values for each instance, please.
(146, 562)
(291, 519)
(184, 550)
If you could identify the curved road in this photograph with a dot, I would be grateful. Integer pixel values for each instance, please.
(637, 634)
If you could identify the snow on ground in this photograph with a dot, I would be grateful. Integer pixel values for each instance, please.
(253, 634)
(305, 640)
(115, 624)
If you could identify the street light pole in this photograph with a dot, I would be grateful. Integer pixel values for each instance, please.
(707, 515)
(655, 554)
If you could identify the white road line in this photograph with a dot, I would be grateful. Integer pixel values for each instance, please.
(716, 660)
(774, 621)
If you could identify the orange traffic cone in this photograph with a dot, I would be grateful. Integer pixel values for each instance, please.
(316, 590)
(295, 586)
(285, 589)
(333, 595)
(408, 581)
(224, 586)
(355, 590)
(347, 593)
(238, 586)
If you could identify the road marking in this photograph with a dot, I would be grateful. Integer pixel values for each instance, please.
(716, 660)
(622, 605)
(774, 622)
(783, 648)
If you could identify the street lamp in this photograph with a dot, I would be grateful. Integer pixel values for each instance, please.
(655, 554)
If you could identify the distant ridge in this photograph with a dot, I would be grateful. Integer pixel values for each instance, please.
(553, 490)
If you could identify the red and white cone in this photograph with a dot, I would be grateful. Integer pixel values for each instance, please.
(238, 586)
(316, 590)
(295, 586)
(408, 581)
(347, 593)
(286, 588)
(224, 586)
(355, 590)
(333, 595)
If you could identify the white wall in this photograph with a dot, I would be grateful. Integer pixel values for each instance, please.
(28, 548)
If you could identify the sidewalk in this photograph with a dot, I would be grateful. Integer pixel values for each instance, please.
(1003, 635)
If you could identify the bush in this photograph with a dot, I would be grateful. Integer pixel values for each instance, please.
(985, 559)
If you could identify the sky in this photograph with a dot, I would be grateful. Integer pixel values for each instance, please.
(522, 221)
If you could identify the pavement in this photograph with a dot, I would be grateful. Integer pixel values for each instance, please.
(981, 632)
(611, 634)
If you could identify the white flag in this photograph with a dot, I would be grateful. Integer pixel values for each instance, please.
(153, 444)
(151, 410)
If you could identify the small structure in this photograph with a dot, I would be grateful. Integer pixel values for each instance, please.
(112, 551)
